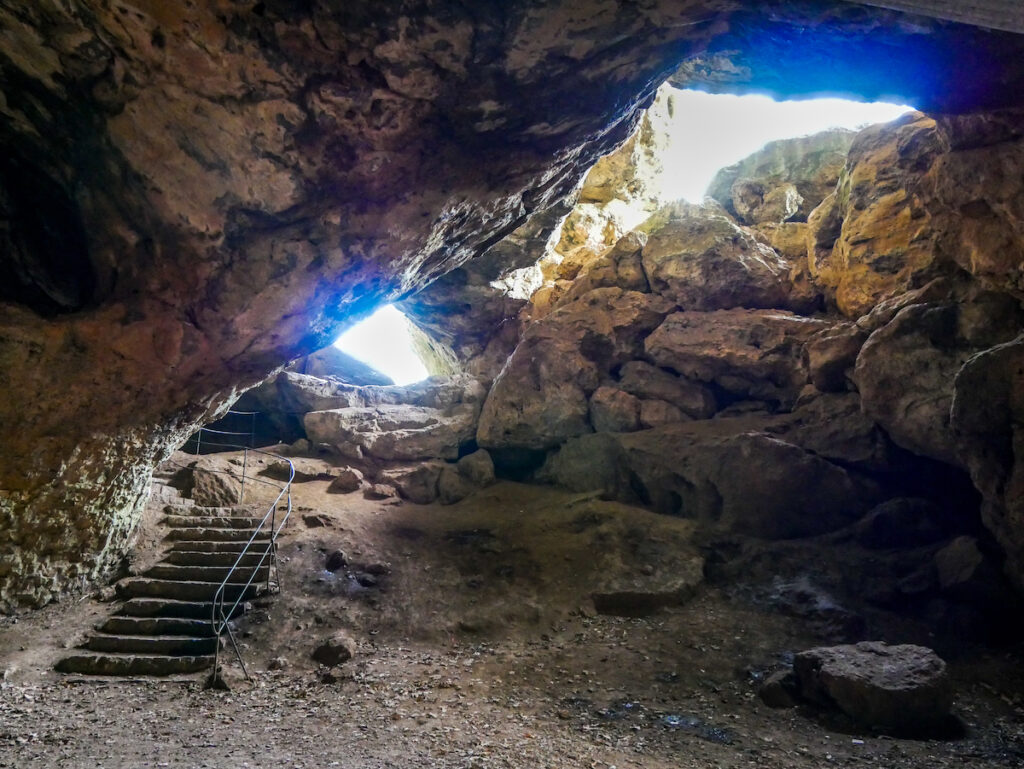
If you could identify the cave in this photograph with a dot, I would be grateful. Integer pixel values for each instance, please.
(710, 483)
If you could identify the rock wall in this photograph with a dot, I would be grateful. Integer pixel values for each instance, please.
(783, 392)
(194, 194)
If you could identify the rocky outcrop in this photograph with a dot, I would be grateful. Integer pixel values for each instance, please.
(906, 369)
(987, 418)
(785, 180)
(541, 397)
(428, 420)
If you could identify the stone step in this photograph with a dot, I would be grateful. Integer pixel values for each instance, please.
(196, 627)
(209, 534)
(204, 558)
(206, 546)
(142, 587)
(165, 607)
(192, 573)
(173, 646)
(211, 521)
(99, 664)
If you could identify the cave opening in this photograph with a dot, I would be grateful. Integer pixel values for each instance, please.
(386, 341)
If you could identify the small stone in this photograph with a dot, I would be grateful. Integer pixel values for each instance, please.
(278, 663)
(380, 491)
(349, 479)
(336, 561)
(335, 650)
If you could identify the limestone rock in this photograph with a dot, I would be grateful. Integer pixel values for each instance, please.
(905, 370)
(701, 260)
(541, 397)
(334, 651)
(650, 382)
(831, 355)
(727, 473)
(417, 483)
(477, 468)
(988, 420)
(901, 690)
(654, 413)
(215, 482)
(615, 411)
(785, 179)
(621, 265)
(452, 486)
(749, 353)
(348, 479)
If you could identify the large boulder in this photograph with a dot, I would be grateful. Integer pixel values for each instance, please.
(439, 417)
(541, 397)
(731, 474)
(903, 690)
(755, 354)
(700, 259)
(906, 369)
(987, 419)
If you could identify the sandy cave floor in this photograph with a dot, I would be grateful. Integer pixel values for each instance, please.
(477, 648)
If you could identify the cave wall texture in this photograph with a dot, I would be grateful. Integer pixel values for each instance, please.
(193, 194)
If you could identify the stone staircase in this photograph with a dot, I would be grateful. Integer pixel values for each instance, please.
(164, 625)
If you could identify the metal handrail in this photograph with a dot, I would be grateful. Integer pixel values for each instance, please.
(219, 618)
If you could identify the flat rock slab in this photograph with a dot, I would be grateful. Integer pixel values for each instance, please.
(900, 689)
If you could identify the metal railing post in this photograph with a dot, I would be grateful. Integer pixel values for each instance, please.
(245, 464)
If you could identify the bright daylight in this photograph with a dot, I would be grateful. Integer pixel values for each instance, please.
(706, 132)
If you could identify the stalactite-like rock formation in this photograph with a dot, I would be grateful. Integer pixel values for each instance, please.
(192, 194)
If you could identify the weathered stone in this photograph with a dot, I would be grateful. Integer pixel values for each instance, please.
(650, 382)
(477, 468)
(900, 690)
(215, 482)
(349, 479)
(779, 690)
(697, 257)
(831, 355)
(987, 418)
(614, 411)
(541, 397)
(394, 432)
(621, 265)
(750, 353)
(379, 491)
(417, 483)
(785, 179)
(654, 413)
(723, 472)
(452, 486)
(905, 370)
(334, 651)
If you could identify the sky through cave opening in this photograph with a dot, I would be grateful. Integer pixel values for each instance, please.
(703, 133)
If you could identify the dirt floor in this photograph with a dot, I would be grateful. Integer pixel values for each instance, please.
(478, 645)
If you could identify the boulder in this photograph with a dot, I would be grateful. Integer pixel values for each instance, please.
(216, 482)
(332, 363)
(749, 353)
(905, 371)
(987, 419)
(335, 650)
(348, 479)
(394, 432)
(645, 381)
(831, 355)
(902, 690)
(654, 413)
(541, 397)
(727, 473)
(621, 266)
(701, 260)
(903, 522)
(417, 483)
(614, 411)
(477, 468)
